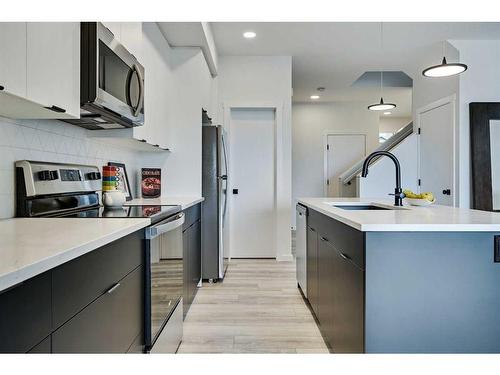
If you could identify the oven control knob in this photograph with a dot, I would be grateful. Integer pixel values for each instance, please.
(48, 175)
(93, 176)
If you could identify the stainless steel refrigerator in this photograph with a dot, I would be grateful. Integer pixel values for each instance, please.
(215, 255)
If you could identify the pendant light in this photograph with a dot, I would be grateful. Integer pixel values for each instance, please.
(381, 106)
(444, 69)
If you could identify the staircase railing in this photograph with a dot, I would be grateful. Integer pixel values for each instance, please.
(388, 145)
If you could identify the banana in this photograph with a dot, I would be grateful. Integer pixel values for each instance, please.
(410, 194)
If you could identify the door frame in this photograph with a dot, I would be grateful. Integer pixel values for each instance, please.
(451, 99)
(279, 163)
(325, 155)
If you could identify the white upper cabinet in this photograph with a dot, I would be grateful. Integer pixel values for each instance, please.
(53, 78)
(13, 57)
(129, 34)
(115, 28)
(40, 70)
(131, 38)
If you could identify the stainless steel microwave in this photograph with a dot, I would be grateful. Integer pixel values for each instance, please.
(112, 81)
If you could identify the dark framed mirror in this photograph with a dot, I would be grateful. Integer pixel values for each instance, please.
(485, 155)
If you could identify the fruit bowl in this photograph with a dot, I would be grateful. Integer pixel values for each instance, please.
(419, 201)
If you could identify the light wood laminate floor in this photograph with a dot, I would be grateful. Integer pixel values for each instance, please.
(256, 309)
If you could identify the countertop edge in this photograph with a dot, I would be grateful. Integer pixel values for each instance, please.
(15, 277)
(184, 202)
(403, 227)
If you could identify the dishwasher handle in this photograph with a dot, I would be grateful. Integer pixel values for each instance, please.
(165, 226)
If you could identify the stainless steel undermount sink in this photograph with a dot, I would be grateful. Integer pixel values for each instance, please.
(361, 207)
(365, 206)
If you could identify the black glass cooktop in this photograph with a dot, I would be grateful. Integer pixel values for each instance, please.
(155, 213)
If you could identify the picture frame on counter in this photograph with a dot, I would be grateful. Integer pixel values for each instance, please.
(125, 182)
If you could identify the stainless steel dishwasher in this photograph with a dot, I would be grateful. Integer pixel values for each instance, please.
(301, 248)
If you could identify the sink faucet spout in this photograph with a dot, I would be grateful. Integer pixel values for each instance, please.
(398, 192)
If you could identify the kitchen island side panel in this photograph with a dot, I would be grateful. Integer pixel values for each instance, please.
(432, 292)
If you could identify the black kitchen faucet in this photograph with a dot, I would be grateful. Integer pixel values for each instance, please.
(398, 193)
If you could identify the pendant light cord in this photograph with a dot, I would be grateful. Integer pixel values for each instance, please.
(382, 56)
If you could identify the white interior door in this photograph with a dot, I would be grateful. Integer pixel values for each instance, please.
(436, 158)
(342, 152)
(252, 219)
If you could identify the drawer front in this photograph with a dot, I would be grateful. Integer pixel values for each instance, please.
(25, 316)
(343, 238)
(192, 215)
(79, 282)
(110, 324)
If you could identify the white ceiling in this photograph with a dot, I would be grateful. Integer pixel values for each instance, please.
(334, 54)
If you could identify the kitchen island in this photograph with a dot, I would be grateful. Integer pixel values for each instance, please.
(385, 279)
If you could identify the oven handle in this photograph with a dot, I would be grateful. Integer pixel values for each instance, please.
(166, 226)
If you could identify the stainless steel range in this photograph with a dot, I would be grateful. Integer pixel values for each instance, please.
(72, 191)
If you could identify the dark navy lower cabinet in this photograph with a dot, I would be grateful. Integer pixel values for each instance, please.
(335, 282)
(191, 237)
(25, 314)
(92, 304)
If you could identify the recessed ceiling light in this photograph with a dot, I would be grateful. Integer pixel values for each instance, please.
(387, 113)
(314, 97)
(249, 34)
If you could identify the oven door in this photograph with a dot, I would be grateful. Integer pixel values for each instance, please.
(120, 78)
(164, 281)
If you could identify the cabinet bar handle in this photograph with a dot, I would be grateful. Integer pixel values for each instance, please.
(113, 288)
(346, 257)
(56, 109)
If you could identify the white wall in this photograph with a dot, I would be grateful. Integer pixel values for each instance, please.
(391, 124)
(179, 74)
(428, 90)
(480, 83)
(381, 179)
(311, 121)
(53, 141)
(183, 74)
(260, 81)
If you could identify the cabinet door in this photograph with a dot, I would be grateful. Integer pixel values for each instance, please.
(195, 257)
(53, 67)
(25, 315)
(186, 272)
(326, 255)
(115, 28)
(13, 57)
(312, 268)
(42, 348)
(348, 305)
(110, 324)
(131, 37)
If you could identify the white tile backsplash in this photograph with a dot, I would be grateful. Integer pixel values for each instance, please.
(53, 141)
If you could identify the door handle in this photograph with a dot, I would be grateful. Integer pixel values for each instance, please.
(345, 256)
(235, 191)
(447, 192)
(323, 239)
(55, 108)
(113, 288)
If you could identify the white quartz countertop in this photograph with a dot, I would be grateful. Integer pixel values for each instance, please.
(184, 202)
(31, 246)
(432, 218)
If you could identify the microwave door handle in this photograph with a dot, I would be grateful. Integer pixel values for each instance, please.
(170, 225)
(140, 103)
